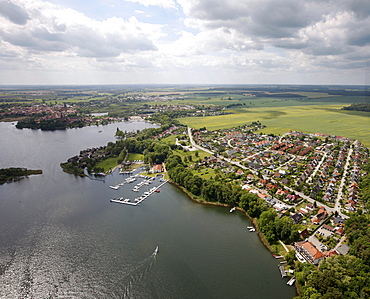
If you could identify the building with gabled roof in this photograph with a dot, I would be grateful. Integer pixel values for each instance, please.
(309, 252)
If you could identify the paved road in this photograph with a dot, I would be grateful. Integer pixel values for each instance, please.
(340, 189)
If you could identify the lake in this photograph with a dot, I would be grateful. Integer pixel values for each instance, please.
(61, 237)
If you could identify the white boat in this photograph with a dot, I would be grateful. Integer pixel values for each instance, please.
(114, 187)
(232, 209)
(291, 281)
(252, 229)
(156, 251)
(277, 256)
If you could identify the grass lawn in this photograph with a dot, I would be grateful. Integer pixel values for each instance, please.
(108, 163)
(183, 154)
(135, 156)
(205, 173)
(326, 119)
(169, 139)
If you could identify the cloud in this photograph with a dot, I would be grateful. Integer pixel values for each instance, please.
(52, 28)
(217, 39)
(13, 13)
(333, 27)
(160, 3)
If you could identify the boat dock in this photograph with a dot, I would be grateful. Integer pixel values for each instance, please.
(125, 201)
(282, 271)
(139, 199)
(128, 180)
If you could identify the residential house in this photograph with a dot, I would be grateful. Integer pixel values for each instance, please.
(320, 216)
(296, 218)
(157, 168)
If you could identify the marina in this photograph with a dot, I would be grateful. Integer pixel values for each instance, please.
(137, 200)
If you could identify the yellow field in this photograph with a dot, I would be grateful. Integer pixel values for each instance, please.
(326, 119)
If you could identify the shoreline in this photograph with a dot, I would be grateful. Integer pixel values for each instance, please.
(251, 219)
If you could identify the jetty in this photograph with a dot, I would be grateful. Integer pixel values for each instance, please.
(139, 199)
(282, 271)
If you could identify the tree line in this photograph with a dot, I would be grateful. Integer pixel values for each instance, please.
(271, 225)
(13, 173)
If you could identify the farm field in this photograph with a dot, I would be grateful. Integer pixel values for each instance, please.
(326, 119)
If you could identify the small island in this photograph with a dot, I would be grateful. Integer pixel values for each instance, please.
(16, 173)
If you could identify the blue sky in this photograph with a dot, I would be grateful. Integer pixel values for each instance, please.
(184, 42)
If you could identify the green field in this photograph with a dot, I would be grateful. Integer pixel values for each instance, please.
(201, 154)
(108, 163)
(135, 156)
(326, 119)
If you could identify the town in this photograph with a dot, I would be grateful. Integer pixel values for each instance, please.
(310, 178)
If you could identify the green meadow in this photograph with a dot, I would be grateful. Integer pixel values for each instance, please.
(107, 164)
(326, 119)
(135, 156)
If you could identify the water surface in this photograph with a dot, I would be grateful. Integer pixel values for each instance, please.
(61, 237)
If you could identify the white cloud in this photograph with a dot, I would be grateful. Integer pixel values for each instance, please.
(52, 28)
(160, 3)
(220, 40)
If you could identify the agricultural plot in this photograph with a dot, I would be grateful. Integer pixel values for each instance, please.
(326, 119)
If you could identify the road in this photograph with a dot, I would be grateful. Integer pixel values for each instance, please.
(342, 181)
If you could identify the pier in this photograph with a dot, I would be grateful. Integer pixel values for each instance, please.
(140, 199)
(282, 271)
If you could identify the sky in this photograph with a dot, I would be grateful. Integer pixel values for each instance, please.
(184, 42)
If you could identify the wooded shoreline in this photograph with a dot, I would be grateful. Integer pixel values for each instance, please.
(16, 173)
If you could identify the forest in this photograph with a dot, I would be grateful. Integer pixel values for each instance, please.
(49, 125)
(358, 107)
(14, 173)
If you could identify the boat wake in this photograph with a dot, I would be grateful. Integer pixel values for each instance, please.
(136, 274)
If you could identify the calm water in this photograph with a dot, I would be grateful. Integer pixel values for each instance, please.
(60, 236)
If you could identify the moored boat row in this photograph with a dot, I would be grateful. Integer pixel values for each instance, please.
(139, 199)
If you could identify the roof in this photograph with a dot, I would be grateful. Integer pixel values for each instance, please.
(328, 227)
(343, 249)
(312, 250)
(158, 167)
